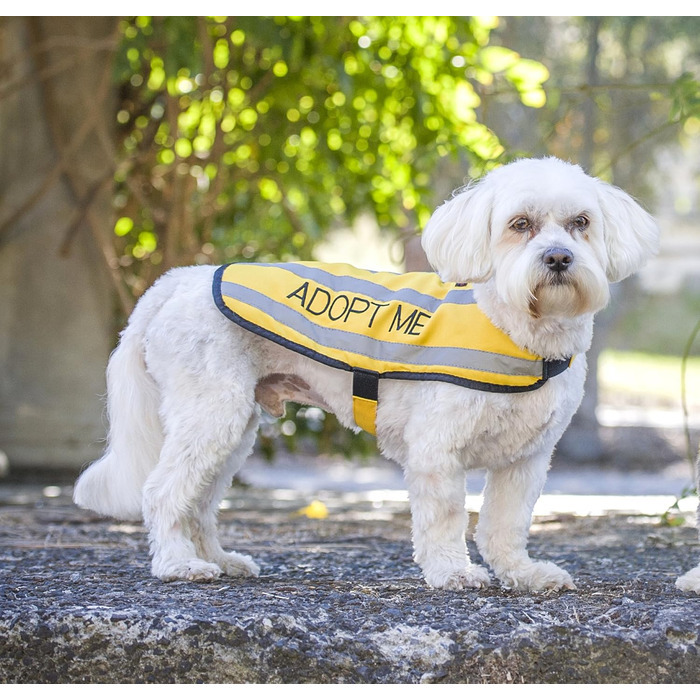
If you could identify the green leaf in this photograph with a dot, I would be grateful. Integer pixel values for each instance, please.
(497, 59)
(123, 226)
(527, 74)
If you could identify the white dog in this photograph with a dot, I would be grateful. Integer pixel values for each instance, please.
(539, 239)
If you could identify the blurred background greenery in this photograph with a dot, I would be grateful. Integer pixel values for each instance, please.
(257, 138)
(251, 138)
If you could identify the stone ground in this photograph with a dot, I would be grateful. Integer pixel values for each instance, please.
(339, 599)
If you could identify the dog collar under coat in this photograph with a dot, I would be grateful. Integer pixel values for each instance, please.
(378, 325)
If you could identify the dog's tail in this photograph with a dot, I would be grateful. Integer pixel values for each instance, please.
(112, 486)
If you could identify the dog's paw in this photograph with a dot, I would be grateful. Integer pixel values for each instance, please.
(188, 570)
(538, 576)
(234, 564)
(690, 582)
(472, 576)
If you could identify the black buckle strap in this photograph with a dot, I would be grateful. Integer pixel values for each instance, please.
(553, 367)
(365, 385)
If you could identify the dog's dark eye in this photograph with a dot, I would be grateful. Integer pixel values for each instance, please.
(521, 224)
(581, 223)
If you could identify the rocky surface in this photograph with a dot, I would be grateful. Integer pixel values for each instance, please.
(339, 600)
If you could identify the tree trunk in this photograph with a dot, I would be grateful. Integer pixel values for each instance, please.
(582, 442)
(56, 295)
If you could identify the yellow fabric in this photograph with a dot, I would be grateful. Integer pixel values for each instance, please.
(365, 414)
(395, 325)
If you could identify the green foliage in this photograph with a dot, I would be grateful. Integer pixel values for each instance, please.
(311, 429)
(685, 98)
(673, 517)
(249, 138)
(622, 89)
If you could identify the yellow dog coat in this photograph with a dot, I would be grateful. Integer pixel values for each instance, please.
(378, 325)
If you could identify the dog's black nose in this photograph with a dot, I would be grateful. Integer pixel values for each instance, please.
(558, 259)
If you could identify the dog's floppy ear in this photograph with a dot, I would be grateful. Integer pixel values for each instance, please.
(457, 238)
(631, 234)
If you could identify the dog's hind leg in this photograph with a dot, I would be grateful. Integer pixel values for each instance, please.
(203, 424)
(202, 523)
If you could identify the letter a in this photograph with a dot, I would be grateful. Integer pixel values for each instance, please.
(299, 294)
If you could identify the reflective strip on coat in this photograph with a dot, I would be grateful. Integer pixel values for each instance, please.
(378, 325)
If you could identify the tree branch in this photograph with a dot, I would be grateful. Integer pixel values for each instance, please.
(65, 153)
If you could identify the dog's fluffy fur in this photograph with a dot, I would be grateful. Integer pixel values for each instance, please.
(540, 239)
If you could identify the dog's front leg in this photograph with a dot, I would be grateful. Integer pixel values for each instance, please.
(436, 490)
(504, 522)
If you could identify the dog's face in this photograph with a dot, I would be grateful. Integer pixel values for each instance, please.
(550, 237)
